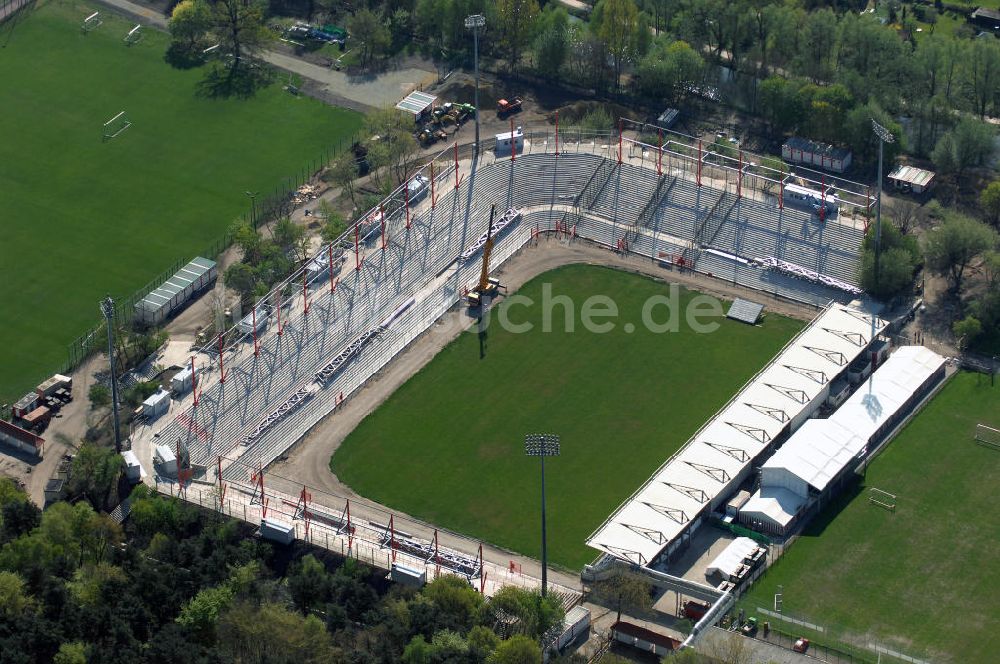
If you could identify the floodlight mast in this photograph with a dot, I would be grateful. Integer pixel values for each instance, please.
(542, 445)
(884, 136)
(108, 311)
(476, 22)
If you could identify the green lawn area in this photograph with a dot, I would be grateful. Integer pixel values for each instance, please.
(82, 218)
(924, 580)
(448, 445)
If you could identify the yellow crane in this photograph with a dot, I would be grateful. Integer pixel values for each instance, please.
(486, 287)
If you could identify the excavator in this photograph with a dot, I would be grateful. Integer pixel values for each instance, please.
(487, 287)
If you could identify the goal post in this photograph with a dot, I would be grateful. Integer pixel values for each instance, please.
(988, 436)
(883, 499)
(92, 22)
(116, 126)
(134, 35)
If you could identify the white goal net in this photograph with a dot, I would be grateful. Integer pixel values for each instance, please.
(116, 126)
(988, 436)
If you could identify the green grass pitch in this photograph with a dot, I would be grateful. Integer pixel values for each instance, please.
(924, 580)
(81, 218)
(448, 446)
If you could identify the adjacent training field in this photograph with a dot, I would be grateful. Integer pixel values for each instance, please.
(448, 446)
(81, 217)
(924, 580)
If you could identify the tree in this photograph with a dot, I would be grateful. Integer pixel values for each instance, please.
(955, 243)
(239, 27)
(905, 215)
(668, 72)
(201, 614)
(618, 25)
(271, 633)
(18, 517)
(74, 652)
(241, 278)
(99, 395)
(94, 585)
(982, 67)
(516, 650)
(248, 239)
(14, 599)
(535, 614)
(552, 43)
(623, 592)
(989, 201)
(189, 22)
(335, 224)
(291, 238)
(95, 473)
(454, 598)
(369, 28)
(966, 330)
(308, 583)
(780, 104)
(516, 21)
(343, 173)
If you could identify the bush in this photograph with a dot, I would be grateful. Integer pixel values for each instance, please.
(99, 395)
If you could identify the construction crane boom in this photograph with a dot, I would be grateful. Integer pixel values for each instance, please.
(484, 276)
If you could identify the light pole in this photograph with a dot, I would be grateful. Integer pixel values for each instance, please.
(476, 22)
(108, 310)
(253, 207)
(884, 136)
(542, 445)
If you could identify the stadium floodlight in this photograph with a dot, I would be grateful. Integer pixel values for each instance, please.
(108, 311)
(476, 22)
(884, 136)
(542, 445)
(253, 207)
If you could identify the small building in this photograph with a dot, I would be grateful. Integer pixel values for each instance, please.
(819, 155)
(26, 404)
(575, 625)
(176, 291)
(133, 470)
(643, 639)
(165, 458)
(668, 118)
(277, 531)
(418, 104)
(508, 140)
(52, 385)
(24, 440)
(985, 18)
(408, 576)
(157, 404)
(911, 179)
(54, 489)
(182, 381)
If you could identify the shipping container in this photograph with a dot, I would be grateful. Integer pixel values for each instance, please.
(176, 291)
(157, 404)
(277, 531)
(133, 471)
(408, 576)
(26, 404)
(164, 457)
(182, 381)
(504, 141)
(50, 386)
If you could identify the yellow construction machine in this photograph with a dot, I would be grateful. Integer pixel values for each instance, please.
(487, 287)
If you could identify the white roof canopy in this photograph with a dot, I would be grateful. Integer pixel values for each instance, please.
(821, 448)
(774, 504)
(710, 463)
(729, 562)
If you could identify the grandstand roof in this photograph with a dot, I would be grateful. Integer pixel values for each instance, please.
(711, 463)
(774, 503)
(821, 448)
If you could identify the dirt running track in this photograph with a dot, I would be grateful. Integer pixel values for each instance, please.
(308, 461)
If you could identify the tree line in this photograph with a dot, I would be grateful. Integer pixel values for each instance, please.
(179, 582)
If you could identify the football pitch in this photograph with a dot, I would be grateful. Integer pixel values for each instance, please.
(925, 579)
(448, 446)
(82, 217)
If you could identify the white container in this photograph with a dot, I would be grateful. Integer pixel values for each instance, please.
(164, 456)
(133, 471)
(277, 531)
(504, 141)
(182, 381)
(408, 576)
(577, 622)
(157, 404)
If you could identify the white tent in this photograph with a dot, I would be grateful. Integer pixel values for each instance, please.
(729, 562)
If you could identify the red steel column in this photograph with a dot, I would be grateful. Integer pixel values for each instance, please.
(222, 368)
(357, 253)
(194, 382)
(406, 198)
(822, 198)
(280, 329)
(456, 165)
(699, 162)
(329, 257)
(621, 128)
(513, 144)
(381, 210)
(433, 200)
(305, 293)
(659, 156)
(739, 178)
(557, 133)
(256, 346)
